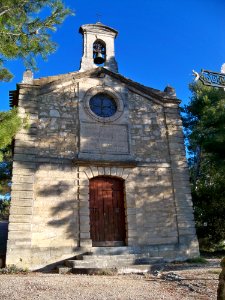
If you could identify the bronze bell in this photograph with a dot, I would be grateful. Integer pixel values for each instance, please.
(99, 59)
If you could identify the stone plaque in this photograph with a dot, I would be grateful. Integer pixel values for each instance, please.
(104, 138)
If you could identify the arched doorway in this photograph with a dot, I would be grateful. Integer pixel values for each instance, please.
(107, 211)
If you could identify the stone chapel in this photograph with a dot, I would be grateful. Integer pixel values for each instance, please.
(102, 165)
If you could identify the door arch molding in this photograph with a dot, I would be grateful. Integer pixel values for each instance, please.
(84, 174)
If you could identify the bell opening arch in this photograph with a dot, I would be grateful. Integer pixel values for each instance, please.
(99, 52)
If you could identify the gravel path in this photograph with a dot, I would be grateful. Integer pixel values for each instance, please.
(174, 282)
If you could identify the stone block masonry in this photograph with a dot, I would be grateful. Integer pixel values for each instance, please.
(67, 145)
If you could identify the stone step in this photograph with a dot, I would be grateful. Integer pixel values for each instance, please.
(112, 263)
(113, 250)
(77, 264)
(64, 269)
(131, 257)
(97, 264)
(113, 260)
(150, 250)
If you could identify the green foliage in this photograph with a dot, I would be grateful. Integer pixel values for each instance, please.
(4, 209)
(10, 123)
(5, 177)
(209, 204)
(204, 123)
(13, 270)
(205, 119)
(197, 260)
(25, 27)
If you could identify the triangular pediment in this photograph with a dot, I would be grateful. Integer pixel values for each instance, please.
(51, 83)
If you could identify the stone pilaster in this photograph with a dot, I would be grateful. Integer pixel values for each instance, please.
(188, 243)
(83, 176)
(24, 166)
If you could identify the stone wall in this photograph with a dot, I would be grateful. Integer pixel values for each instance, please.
(55, 208)
(148, 130)
(58, 121)
(155, 209)
(44, 197)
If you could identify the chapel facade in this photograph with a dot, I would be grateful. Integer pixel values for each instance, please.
(101, 165)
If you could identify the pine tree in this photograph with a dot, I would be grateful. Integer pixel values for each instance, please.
(10, 123)
(25, 27)
(204, 123)
(4, 209)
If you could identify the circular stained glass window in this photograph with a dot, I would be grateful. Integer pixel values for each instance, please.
(103, 105)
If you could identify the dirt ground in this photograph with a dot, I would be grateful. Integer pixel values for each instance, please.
(171, 282)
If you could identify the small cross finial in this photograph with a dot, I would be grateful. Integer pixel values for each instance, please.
(98, 15)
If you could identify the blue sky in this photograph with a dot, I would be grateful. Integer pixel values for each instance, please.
(160, 42)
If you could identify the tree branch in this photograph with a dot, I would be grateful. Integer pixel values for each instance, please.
(4, 11)
(7, 9)
(19, 34)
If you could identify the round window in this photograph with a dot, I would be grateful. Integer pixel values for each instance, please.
(103, 105)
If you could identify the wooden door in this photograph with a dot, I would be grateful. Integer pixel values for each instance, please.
(107, 212)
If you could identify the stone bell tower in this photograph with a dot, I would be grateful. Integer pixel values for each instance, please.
(98, 47)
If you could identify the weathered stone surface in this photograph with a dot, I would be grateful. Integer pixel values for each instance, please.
(66, 146)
